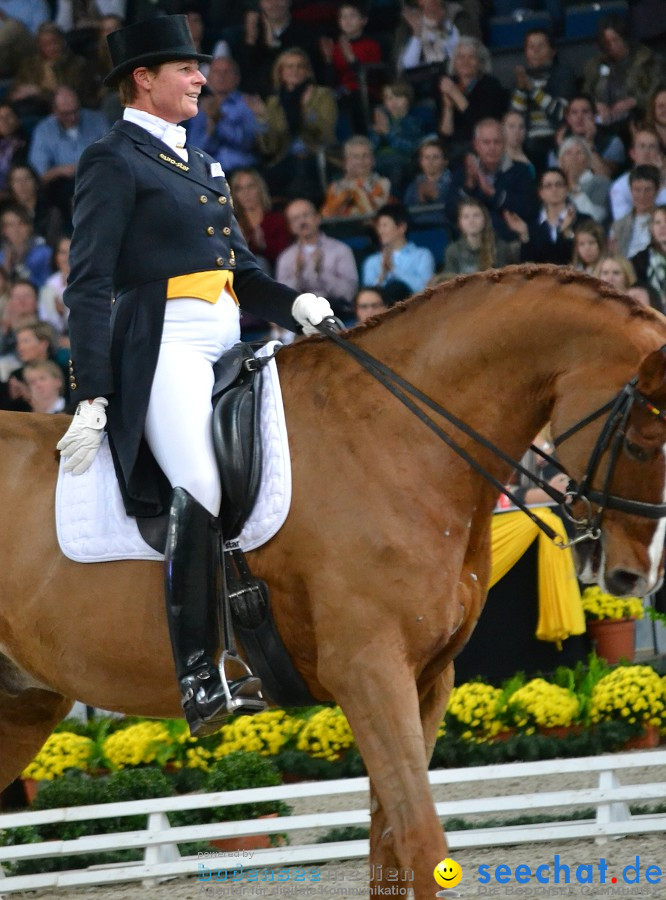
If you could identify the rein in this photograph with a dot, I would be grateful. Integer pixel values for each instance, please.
(611, 435)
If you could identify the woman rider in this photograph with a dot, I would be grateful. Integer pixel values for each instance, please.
(154, 230)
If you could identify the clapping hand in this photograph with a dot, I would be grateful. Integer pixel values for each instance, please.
(523, 81)
(381, 122)
(413, 17)
(515, 223)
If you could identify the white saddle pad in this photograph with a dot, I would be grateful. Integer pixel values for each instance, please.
(91, 522)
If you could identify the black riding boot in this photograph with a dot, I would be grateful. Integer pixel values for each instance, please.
(192, 612)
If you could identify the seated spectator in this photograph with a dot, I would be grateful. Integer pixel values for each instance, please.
(589, 246)
(542, 90)
(16, 42)
(344, 59)
(360, 191)
(588, 192)
(53, 66)
(425, 41)
(225, 126)
(296, 123)
(513, 125)
(621, 77)
(23, 253)
(20, 308)
(644, 151)
(656, 115)
(265, 230)
(221, 48)
(431, 185)
(30, 13)
(26, 192)
(33, 344)
(398, 260)
(646, 295)
(13, 142)
(631, 234)
(369, 302)
(72, 15)
(395, 135)
(617, 271)
(650, 263)
(494, 180)
(579, 121)
(57, 143)
(524, 489)
(4, 290)
(101, 97)
(469, 95)
(550, 239)
(269, 31)
(51, 305)
(45, 383)
(477, 248)
(317, 263)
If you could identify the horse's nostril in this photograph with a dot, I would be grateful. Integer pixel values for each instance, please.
(621, 582)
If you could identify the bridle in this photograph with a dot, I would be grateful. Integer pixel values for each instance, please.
(611, 440)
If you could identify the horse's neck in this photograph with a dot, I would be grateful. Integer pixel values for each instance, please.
(495, 361)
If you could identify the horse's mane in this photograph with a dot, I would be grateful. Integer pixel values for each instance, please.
(525, 272)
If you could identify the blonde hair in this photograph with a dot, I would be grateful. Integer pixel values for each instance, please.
(626, 266)
(488, 248)
(264, 193)
(277, 65)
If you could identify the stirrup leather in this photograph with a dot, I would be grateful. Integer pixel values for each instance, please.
(239, 703)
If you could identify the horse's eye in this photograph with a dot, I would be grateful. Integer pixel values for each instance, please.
(636, 452)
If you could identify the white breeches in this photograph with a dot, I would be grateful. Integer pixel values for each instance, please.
(179, 420)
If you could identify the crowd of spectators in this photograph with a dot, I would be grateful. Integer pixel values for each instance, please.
(369, 147)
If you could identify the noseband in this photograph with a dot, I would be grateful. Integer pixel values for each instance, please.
(612, 437)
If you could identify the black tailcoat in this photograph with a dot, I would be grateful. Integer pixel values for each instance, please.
(142, 216)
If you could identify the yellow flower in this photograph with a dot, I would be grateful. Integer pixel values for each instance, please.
(599, 605)
(473, 707)
(61, 751)
(632, 693)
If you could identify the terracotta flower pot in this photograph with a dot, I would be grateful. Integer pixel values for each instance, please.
(612, 639)
(247, 841)
(560, 731)
(648, 740)
(30, 788)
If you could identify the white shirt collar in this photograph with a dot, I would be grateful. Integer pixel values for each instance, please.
(174, 136)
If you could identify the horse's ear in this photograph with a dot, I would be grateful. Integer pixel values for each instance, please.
(652, 373)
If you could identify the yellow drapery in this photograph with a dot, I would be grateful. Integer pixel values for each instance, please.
(560, 610)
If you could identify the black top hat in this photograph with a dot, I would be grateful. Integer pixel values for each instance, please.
(148, 43)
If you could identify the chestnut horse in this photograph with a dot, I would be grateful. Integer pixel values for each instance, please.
(380, 571)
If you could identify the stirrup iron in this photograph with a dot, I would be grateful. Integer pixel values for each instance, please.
(239, 703)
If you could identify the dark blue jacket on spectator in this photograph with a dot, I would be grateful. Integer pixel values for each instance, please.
(514, 190)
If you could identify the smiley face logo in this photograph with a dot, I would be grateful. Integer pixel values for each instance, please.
(447, 873)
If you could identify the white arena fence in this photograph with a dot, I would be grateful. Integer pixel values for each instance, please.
(161, 858)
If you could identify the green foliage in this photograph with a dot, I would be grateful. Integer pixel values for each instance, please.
(348, 833)
(78, 789)
(238, 771)
(235, 772)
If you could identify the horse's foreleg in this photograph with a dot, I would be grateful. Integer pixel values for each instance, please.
(384, 715)
(26, 720)
(433, 704)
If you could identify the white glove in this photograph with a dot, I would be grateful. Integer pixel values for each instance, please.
(309, 310)
(81, 441)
